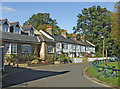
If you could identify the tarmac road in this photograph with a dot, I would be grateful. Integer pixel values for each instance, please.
(69, 75)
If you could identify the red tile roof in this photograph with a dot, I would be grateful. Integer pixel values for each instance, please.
(27, 26)
(63, 30)
(13, 22)
(3, 19)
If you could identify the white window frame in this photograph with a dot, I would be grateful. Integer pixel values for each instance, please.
(73, 46)
(26, 48)
(31, 32)
(58, 45)
(7, 46)
(10, 48)
(65, 46)
(50, 51)
(14, 46)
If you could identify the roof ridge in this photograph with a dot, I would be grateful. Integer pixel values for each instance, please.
(3, 19)
(13, 22)
(26, 26)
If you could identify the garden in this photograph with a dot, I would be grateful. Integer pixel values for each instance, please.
(32, 60)
(106, 70)
(28, 59)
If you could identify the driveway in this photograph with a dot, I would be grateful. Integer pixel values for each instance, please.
(51, 76)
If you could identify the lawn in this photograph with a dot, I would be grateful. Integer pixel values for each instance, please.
(115, 81)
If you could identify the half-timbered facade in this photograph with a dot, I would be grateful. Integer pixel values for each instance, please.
(70, 47)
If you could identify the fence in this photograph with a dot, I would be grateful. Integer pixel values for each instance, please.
(104, 69)
(83, 59)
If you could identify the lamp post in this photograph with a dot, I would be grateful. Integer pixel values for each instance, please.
(106, 51)
(103, 44)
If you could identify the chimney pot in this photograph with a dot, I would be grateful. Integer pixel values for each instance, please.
(83, 37)
(64, 33)
(49, 30)
(74, 36)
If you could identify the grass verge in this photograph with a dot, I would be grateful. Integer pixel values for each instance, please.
(114, 81)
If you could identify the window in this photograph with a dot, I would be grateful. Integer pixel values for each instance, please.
(5, 27)
(73, 46)
(26, 48)
(11, 48)
(16, 30)
(77, 47)
(31, 33)
(58, 45)
(65, 46)
(12, 29)
(50, 49)
(7, 49)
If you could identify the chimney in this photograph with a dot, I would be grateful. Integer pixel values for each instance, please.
(83, 38)
(74, 36)
(64, 33)
(49, 30)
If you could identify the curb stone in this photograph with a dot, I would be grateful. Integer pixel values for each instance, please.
(95, 80)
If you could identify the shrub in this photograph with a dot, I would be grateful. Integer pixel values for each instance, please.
(68, 58)
(8, 59)
(61, 57)
(46, 61)
(35, 61)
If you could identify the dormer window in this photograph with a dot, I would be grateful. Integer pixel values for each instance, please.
(31, 32)
(5, 27)
(17, 29)
(12, 29)
(28, 29)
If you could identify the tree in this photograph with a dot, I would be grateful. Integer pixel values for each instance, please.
(93, 23)
(41, 21)
(115, 31)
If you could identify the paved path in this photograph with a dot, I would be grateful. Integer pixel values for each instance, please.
(51, 76)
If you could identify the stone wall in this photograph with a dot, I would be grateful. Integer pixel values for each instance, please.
(43, 52)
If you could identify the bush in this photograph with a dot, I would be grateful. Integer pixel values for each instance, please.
(35, 61)
(68, 59)
(8, 59)
(61, 57)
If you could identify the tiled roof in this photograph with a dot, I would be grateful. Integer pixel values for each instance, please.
(13, 37)
(3, 19)
(60, 38)
(26, 28)
(14, 23)
(81, 42)
(63, 39)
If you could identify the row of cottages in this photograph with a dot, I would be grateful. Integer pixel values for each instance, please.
(16, 39)
(70, 47)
